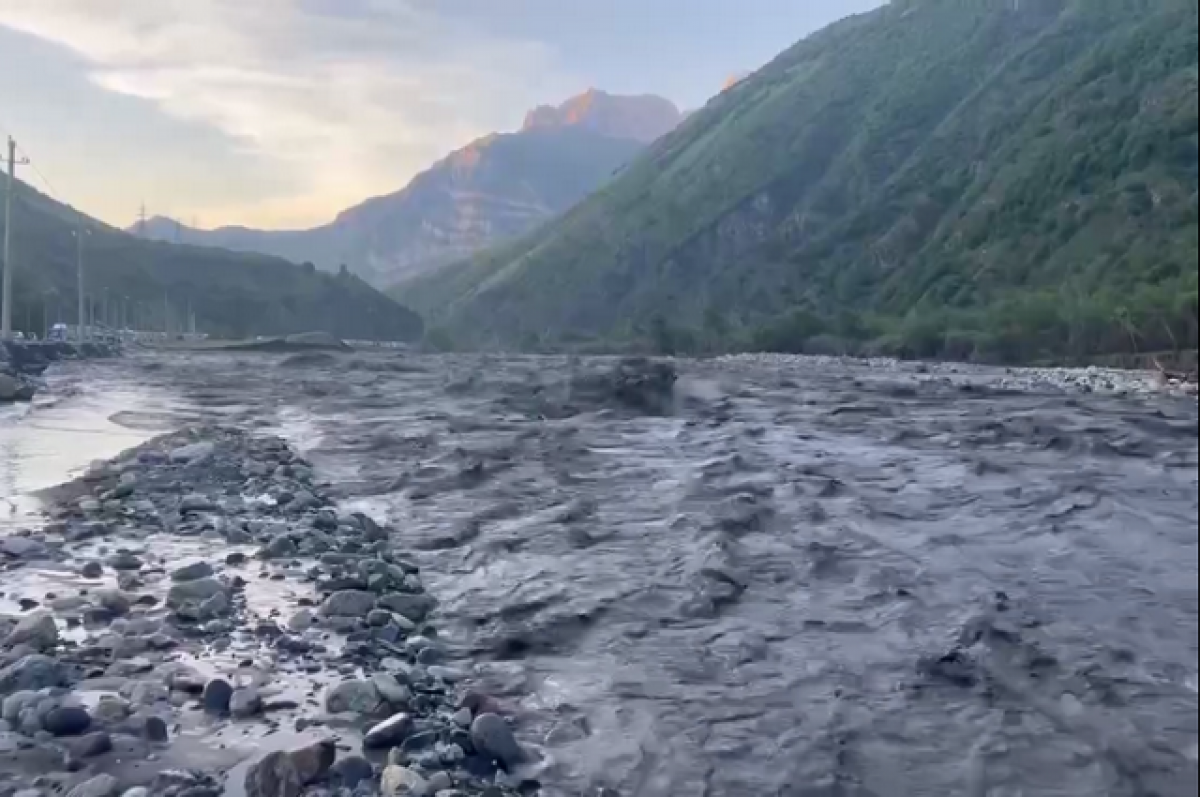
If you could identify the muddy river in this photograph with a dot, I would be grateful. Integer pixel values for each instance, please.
(791, 581)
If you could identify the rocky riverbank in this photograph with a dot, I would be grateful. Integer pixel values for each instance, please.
(196, 617)
(1092, 379)
(23, 362)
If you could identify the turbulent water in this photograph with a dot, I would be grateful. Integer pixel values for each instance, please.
(807, 581)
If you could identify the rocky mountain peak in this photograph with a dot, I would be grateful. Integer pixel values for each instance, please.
(640, 118)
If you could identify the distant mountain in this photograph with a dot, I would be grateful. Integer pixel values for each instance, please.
(156, 285)
(643, 118)
(495, 188)
(999, 180)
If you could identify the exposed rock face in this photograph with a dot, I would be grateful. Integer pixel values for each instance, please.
(643, 118)
(733, 80)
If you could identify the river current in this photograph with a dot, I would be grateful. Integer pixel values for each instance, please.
(801, 580)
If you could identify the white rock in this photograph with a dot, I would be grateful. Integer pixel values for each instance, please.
(192, 453)
(402, 782)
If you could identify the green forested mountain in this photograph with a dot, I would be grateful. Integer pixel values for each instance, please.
(1005, 179)
(158, 285)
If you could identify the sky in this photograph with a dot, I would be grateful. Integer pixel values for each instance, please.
(279, 113)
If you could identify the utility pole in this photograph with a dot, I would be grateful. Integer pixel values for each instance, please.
(81, 315)
(142, 221)
(6, 281)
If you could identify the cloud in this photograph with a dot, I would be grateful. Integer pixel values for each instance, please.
(351, 97)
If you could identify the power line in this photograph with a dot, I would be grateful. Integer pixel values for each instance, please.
(29, 161)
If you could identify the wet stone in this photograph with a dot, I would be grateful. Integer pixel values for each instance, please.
(192, 453)
(301, 620)
(113, 600)
(124, 560)
(195, 591)
(147, 693)
(245, 702)
(492, 737)
(280, 547)
(91, 745)
(439, 782)
(194, 502)
(217, 696)
(32, 672)
(37, 630)
(360, 697)
(351, 771)
(22, 547)
(412, 606)
(92, 570)
(348, 603)
(389, 733)
(103, 785)
(67, 721)
(192, 571)
(397, 781)
(110, 710)
(154, 729)
(275, 775)
(314, 761)
(391, 689)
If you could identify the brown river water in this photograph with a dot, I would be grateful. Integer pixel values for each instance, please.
(795, 581)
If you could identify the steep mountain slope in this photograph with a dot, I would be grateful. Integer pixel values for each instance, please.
(230, 294)
(495, 188)
(998, 179)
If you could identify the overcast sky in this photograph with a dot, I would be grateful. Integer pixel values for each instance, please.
(279, 113)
